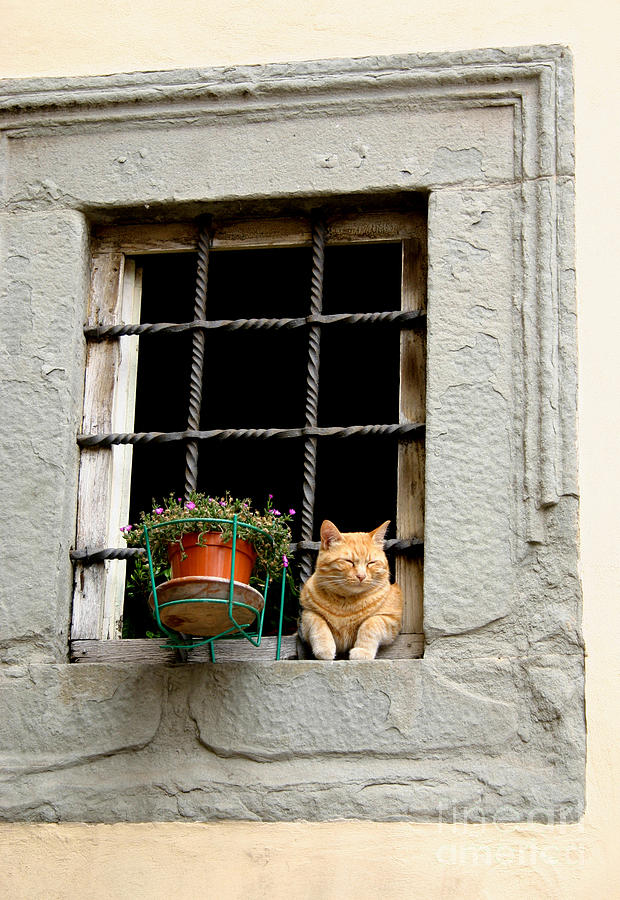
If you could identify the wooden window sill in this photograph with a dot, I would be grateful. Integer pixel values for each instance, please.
(150, 650)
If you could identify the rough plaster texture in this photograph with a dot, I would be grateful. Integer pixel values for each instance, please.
(386, 741)
(45, 276)
(490, 723)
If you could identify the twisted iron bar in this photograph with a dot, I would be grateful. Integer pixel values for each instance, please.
(198, 353)
(404, 318)
(90, 557)
(407, 430)
(397, 545)
(312, 391)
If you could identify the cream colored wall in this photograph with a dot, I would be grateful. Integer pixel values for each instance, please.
(54, 37)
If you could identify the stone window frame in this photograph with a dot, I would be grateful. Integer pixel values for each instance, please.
(490, 722)
(110, 397)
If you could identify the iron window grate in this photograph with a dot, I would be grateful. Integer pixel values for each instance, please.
(309, 434)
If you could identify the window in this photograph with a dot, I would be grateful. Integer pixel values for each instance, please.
(315, 332)
(470, 729)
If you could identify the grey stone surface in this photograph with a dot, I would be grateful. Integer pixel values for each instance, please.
(309, 155)
(470, 412)
(490, 724)
(43, 291)
(404, 709)
(385, 740)
(64, 716)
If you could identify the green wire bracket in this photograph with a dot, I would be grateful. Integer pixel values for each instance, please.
(236, 629)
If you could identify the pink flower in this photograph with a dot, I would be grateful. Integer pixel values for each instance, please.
(285, 561)
(271, 496)
(222, 503)
(276, 512)
(190, 505)
(291, 512)
(125, 528)
(159, 510)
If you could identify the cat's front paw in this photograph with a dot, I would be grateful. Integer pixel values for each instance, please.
(360, 653)
(326, 655)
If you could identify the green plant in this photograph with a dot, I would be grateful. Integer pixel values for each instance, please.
(173, 517)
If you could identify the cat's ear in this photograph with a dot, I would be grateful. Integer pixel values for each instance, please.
(378, 535)
(329, 535)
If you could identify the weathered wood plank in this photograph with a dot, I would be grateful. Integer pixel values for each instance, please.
(406, 646)
(109, 401)
(252, 234)
(123, 415)
(376, 227)
(410, 505)
(247, 234)
(151, 651)
(176, 237)
(95, 465)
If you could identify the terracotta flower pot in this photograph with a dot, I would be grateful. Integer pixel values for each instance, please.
(202, 571)
(211, 557)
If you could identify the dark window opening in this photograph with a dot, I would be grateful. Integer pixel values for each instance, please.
(257, 379)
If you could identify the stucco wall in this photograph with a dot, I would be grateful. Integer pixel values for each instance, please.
(354, 858)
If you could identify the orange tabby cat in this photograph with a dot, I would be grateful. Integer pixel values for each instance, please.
(348, 602)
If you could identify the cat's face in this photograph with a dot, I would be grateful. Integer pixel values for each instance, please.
(352, 562)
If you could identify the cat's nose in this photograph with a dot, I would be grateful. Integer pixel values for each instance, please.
(361, 576)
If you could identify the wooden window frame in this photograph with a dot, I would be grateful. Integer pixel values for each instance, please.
(109, 403)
